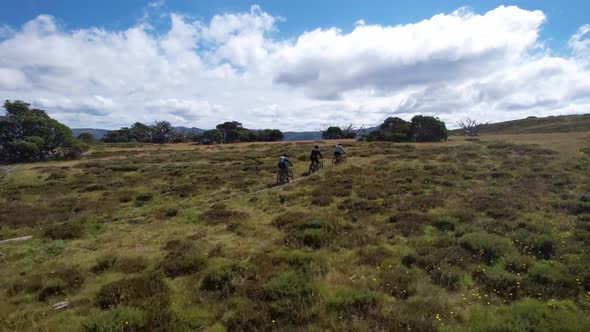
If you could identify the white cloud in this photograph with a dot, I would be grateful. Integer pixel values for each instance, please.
(492, 66)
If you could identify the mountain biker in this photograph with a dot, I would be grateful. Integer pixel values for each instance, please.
(339, 151)
(315, 153)
(283, 162)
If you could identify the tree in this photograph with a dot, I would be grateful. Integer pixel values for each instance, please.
(210, 137)
(28, 134)
(141, 132)
(163, 132)
(86, 138)
(428, 129)
(333, 133)
(229, 131)
(470, 127)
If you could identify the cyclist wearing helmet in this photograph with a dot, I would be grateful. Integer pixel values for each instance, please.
(339, 151)
(315, 153)
(283, 162)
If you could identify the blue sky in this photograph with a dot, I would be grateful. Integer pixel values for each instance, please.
(564, 17)
(294, 65)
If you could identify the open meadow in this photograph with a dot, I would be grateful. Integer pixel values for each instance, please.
(486, 234)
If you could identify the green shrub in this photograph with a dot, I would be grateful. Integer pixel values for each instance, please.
(524, 316)
(143, 291)
(289, 284)
(223, 279)
(103, 263)
(301, 261)
(181, 263)
(374, 255)
(518, 263)
(552, 280)
(131, 264)
(499, 282)
(145, 197)
(448, 277)
(354, 302)
(179, 245)
(170, 213)
(53, 287)
(399, 282)
(314, 233)
(65, 231)
(409, 260)
(446, 224)
(60, 280)
(289, 295)
(246, 315)
(322, 200)
(220, 214)
(488, 247)
(117, 320)
(289, 218)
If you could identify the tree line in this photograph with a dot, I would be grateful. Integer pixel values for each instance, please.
(164, 132)
(29, 134)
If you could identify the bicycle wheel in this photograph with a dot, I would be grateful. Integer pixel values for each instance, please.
(311, 168)
(334, 161)
(321, 165)
(290, 174)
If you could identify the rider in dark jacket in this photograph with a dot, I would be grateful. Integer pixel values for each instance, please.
(315, 153)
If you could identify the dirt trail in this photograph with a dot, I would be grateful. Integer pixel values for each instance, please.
(6, 170)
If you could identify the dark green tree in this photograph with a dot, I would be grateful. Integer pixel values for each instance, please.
(28, 134)
(87, 138)
(163, 132)
(428, 129)
(229, 131)
(333, 133)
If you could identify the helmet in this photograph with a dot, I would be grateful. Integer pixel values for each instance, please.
(285, 155)
(317, 147)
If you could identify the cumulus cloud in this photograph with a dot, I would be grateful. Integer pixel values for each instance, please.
(491, 66)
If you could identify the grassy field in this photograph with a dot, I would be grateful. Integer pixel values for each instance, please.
(488, 234)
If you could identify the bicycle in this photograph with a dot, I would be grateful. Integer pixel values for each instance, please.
(339, 160)
(315, 166)
(284, 176)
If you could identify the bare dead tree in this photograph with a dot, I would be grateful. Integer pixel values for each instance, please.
(470, 127)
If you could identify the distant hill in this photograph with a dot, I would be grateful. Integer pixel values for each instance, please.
(534, 125)
(302, 135)
(97, 133)
(187, 130)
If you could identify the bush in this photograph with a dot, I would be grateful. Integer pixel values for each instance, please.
(65, 231)
(526, 315)
(143, 291)
(181, 263)
(52, 288)
(314, 233)
(497, 281)
(61, 280)
(220, 214)
(301, 261)
(223, 279)
(103, 263)
(488, 247)
(399, 282)
(130, 264)
(118, 319)
(289, 218)
(374, 255)
(322, 200)
(353, 302)
(449, 277)
(289, 294)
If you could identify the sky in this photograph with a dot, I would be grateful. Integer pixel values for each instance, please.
(294, 65)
